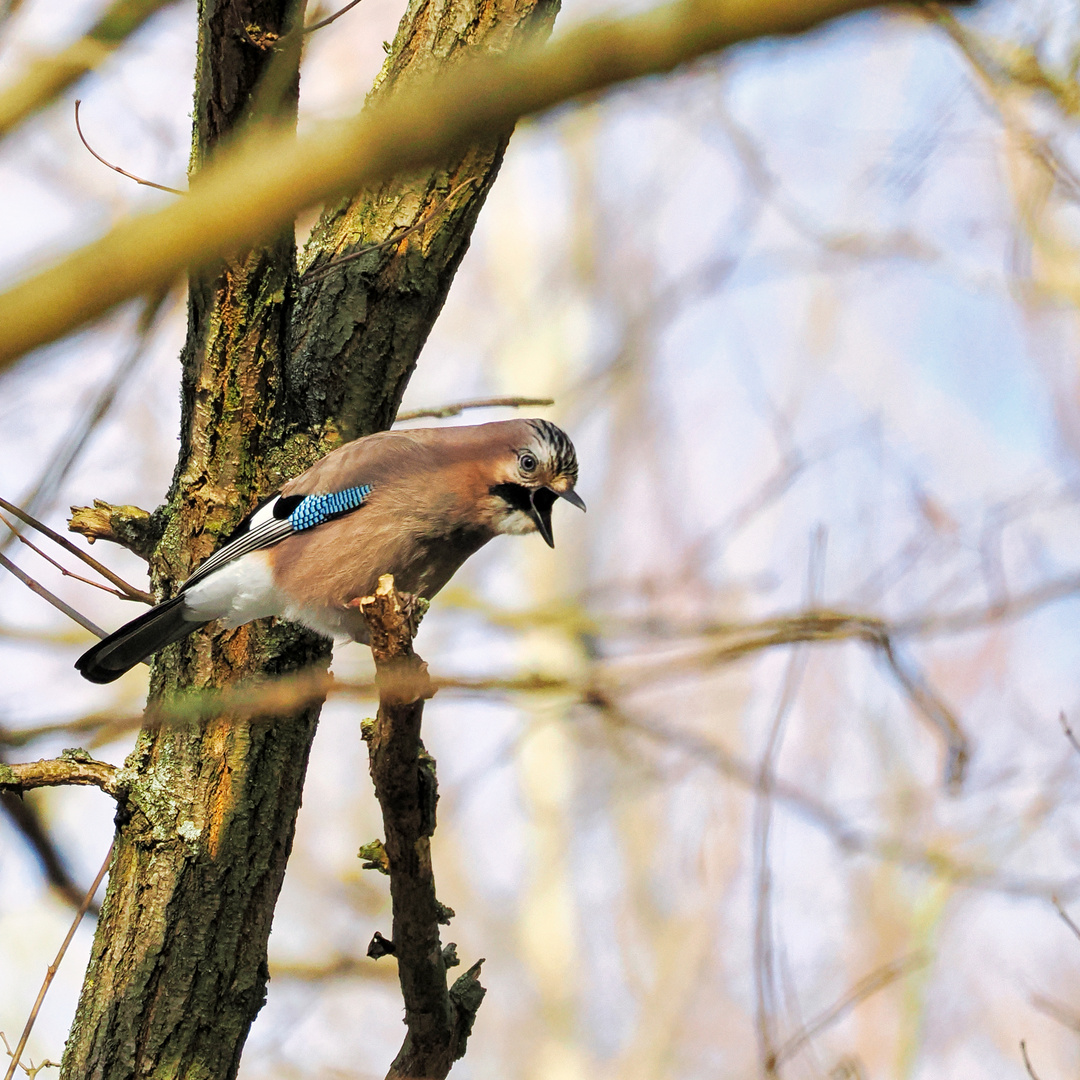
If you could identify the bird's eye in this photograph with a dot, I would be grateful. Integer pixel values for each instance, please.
(527, 463)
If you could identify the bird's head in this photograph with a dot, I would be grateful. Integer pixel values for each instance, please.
(539, 467)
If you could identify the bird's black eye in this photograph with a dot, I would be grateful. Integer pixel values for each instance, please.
(527, 463)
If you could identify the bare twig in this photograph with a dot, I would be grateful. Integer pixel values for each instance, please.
(317, 273)
(764, 981)
(56, 602)
(1059, 907)
(50, 974)
(64, 457)
(438, 1019)
(116, 168)
(1027, 1061)
(31, 1070)
(130, 590)
(1068, 732)
(63, 569)
(764, 946)
(312, 27)
(930, 704)
(476, 403)
(74, 767)
(847, 836)
(972, 618)
(864, 988)
(129, 526)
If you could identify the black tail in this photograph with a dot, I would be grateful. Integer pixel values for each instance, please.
(135, 641)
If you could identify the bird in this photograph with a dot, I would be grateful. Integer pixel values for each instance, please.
(414, 503)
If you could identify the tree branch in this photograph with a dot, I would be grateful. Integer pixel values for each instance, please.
(438, 1019)
(60, 605)
(73, 767)
(256, 190)
(131, 593)
(445, 411)
(128, 526)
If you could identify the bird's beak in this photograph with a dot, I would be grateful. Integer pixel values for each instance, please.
(541, 501)
(573, 498)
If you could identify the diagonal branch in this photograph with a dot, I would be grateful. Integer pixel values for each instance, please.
(256, 190)
(864, 988)
(50, 974)
(130, 592)
(60, 605)
(59, 566)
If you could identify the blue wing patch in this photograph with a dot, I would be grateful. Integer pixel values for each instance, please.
(269, 525)
(315, 509)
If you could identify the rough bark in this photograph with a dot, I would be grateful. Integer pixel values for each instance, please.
(438, 1018)
(272, 375)
(358, 328)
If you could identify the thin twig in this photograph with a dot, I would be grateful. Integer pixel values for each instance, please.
(312, 27)
(1068, 731)
(764, 945)
(67, 453)
(864, 988)
(55, 965)
(31, 1070)
(931, 705)
(1065, 916)
(319, 273)
(116, 168)
(1027, 1061)
(63, 569)
(445, 411)
(67, 545)
(56, 602)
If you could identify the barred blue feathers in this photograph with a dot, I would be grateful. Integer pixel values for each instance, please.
(281, 517)
(315, 509)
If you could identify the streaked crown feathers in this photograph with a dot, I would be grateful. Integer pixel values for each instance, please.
(561, 458)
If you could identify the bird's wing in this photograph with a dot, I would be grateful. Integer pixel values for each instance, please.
(282, 516)
(335, 485)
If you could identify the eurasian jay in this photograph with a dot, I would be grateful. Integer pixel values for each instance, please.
(415, 504)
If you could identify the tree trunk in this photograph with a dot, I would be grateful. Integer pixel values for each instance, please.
(276, 369)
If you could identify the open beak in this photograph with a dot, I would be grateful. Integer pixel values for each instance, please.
(541, 502)
(573, 498)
